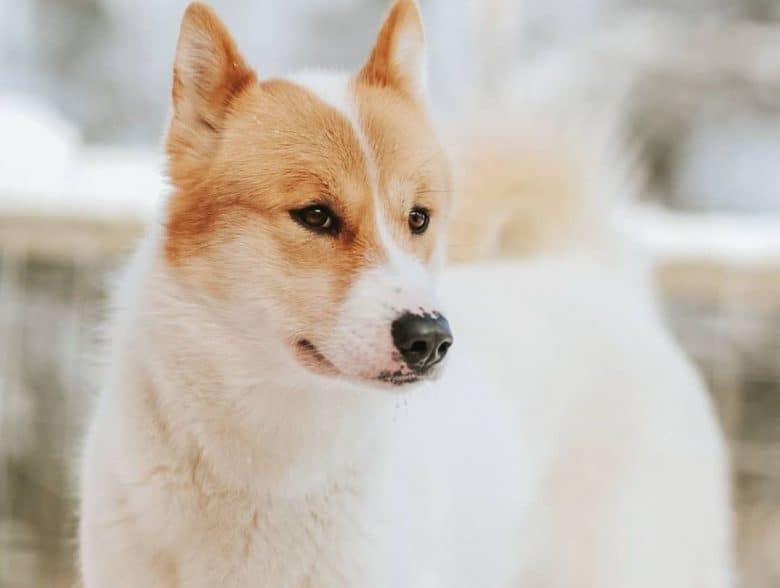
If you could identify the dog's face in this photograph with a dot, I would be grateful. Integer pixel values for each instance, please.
(312, 210)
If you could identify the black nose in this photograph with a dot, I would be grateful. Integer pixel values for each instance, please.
(423, 340)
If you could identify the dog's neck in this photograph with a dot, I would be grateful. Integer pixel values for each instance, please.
(258, 422)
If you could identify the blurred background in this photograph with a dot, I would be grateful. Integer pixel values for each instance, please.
(84, 87)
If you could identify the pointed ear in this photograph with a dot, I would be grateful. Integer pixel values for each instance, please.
(208, 74)
(398, 59)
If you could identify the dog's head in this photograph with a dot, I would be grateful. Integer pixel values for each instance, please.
(312, 210)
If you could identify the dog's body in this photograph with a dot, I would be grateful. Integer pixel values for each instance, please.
(255, 428)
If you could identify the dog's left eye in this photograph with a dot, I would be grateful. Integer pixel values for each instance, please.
(318, 218)
(418, 220)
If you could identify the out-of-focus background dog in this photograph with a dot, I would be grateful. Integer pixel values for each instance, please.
(692, 85)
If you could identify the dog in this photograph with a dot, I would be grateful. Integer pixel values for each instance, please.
(300, 393)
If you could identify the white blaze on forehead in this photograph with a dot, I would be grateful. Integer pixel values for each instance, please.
(408, 267)
(334, 88)
(380, 293)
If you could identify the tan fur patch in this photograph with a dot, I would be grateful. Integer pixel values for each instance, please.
(411, 167)
(523, 191)
(281, 149)
(208, 74)
(399, 45)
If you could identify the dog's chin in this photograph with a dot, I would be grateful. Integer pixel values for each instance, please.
(314, 361)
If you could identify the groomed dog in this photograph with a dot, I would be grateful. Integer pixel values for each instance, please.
(296, 398)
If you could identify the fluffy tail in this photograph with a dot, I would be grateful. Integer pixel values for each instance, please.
(537, 179)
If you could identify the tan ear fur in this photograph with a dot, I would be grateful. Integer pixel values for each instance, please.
(208, 74)
(398, 59)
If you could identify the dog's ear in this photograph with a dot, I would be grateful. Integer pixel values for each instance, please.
(398, 59)
(208, 74)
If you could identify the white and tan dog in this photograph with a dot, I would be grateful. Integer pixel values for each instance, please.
(282, 408)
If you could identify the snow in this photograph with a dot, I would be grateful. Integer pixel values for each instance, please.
(731, 163)
(732, 238)
(45, 170)
(36, 146)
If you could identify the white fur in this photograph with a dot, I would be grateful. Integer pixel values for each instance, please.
(568, 442)
(567, 438)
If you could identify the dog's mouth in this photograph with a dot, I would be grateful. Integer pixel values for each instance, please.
(313, 359)
(399, 378)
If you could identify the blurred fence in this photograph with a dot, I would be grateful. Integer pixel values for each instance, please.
(51, 306)
(728, 319)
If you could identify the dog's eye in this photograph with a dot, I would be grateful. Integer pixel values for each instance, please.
(418, 220)
(318, 218)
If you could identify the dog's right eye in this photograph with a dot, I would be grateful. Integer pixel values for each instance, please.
(318, 218)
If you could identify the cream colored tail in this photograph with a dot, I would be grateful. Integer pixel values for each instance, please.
(534, 180)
